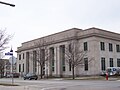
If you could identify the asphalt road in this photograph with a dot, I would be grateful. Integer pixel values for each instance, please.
(58, 84)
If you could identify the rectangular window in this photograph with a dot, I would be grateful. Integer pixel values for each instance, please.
(53, 69)
(102, 46)
(86, 64)
(103, 63)
(19, 67)
(111, 62)
(23, 56)
(23, 67)
(110, 47)
(53, 65)
(19, 56)
(63, 68)
(85, 46)
(118, 62)
(118, 48)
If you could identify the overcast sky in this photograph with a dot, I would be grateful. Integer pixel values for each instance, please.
(31, 19)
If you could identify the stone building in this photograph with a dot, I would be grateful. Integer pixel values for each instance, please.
(102, 45)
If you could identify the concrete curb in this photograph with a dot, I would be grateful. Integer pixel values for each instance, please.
(14, 88)
(30, 88)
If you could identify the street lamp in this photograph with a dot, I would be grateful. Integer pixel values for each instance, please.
(11, 54)
(12, 5)
(11, 51)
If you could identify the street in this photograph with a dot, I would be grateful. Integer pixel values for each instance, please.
(59, 84)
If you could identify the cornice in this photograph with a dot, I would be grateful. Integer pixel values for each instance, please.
(92, 32)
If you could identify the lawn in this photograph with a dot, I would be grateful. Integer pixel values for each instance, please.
(6, 84)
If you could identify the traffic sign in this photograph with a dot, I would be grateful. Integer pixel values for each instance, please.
(8, 53)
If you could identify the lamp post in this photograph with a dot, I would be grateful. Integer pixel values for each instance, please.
(12, 5)
(11, 51)
(11, 54)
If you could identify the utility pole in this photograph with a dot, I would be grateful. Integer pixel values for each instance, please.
(11, 51)
(11, 54)
(12, 5)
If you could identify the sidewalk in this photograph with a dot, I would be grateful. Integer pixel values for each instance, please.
(13, 88)
(30, 88)
(94, 78)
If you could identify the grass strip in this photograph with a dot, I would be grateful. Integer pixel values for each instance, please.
(6, 84)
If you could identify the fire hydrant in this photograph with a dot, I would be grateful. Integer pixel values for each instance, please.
(106, 75)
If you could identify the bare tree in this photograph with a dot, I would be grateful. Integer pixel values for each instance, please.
(75, 56)
(42, 55)
(4, 40)
(1, 68)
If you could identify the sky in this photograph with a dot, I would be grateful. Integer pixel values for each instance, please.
(31, 19)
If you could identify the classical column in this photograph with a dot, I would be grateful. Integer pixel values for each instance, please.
(59, 60)
(27, 62)
(56, 60)
(48, 64)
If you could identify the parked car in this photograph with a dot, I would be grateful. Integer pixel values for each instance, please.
(30, 76)
(15, 75)
(113, 71)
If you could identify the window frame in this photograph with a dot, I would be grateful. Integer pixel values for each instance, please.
(117, 48)
(102, 46)
(85, 46)
(103, 64)
(110, 47)
(118, 62)
(111, 62)
(19, 56)
(86, 64)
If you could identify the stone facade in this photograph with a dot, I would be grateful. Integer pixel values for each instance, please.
(103, 46)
